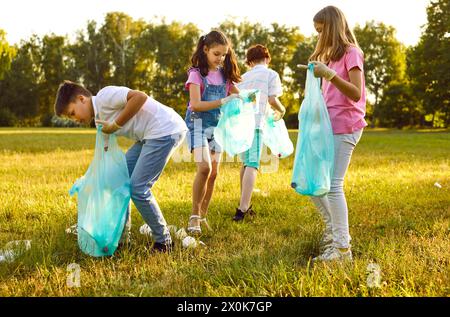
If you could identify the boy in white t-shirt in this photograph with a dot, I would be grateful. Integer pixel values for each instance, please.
(157, 129)
(261, 77)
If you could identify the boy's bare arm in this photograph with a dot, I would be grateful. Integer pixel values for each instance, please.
(277, 106)
(135, 101)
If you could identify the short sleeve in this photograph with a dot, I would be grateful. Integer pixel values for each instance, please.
(113, 97)
(354, 58)
(194, 78)
(275, 88)
(229, 86)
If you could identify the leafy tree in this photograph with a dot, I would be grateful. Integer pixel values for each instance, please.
(429, 62)
(6, 54)
(398, 106)
(91, 63)
(121, 35)
(171, 46)
(384, 59)
(20, 89)
(54, 52)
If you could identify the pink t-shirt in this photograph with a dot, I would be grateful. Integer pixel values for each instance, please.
(213, 78)
(346, 115)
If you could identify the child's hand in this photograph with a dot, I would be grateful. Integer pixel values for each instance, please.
(279, 115)
(322, 70)
(229, 98)
(108, 127)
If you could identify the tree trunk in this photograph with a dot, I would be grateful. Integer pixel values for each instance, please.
(375, 106)
(447, 119)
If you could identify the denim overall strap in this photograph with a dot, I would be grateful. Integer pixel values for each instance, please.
(205, 81)
(213, 92)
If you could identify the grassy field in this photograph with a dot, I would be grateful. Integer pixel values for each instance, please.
(398, 220)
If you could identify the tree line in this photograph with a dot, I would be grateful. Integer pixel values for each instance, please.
(407, 86)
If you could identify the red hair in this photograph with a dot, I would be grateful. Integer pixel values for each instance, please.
(257, 53)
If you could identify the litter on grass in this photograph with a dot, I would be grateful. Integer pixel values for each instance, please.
(14, 249)
(72, 229)
(145, 230)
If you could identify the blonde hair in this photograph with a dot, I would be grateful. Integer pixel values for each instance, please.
(335, 38)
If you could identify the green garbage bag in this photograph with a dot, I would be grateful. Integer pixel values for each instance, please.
(103, 197)
(276, 137)
(314, 156)
(236, 127)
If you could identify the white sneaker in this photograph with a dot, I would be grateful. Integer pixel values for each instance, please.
(334, 254)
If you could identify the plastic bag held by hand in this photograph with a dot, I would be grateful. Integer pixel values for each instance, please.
(103, 198)
(276, 137)
(314, 156)
(236, 127)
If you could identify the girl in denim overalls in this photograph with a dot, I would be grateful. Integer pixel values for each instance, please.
(211, 77)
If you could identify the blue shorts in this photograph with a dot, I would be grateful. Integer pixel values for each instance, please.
(201, 129)
(252, 157)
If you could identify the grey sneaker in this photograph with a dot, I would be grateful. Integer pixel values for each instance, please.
(334, 254)
(326, 243)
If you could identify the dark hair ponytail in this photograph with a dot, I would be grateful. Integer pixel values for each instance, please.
(200, 61)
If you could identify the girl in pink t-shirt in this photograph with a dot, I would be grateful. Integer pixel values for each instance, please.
(340, 62)
(210, 84)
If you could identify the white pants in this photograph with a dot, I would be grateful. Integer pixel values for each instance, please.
(333, 206)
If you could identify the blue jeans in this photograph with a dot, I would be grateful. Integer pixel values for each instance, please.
(146, 161)
(201, 129)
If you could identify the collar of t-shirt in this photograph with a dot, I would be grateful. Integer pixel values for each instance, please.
(260, 66)
(95, 107)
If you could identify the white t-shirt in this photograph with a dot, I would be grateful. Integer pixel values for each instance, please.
(154, 120)
(268, 82)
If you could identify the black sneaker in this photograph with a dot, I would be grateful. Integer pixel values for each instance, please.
(122, 246)
(163, 247)
(240, 215)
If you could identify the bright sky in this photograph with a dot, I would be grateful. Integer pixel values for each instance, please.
(21, 18)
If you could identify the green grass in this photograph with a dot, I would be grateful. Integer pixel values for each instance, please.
(398, 219)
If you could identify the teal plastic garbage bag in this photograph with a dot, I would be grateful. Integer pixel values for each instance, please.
(103, 197)
(314, 156)
(276, 137)
(236, 127)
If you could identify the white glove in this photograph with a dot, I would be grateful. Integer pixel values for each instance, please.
(109, 127)
(322, 70)
(228, 99)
